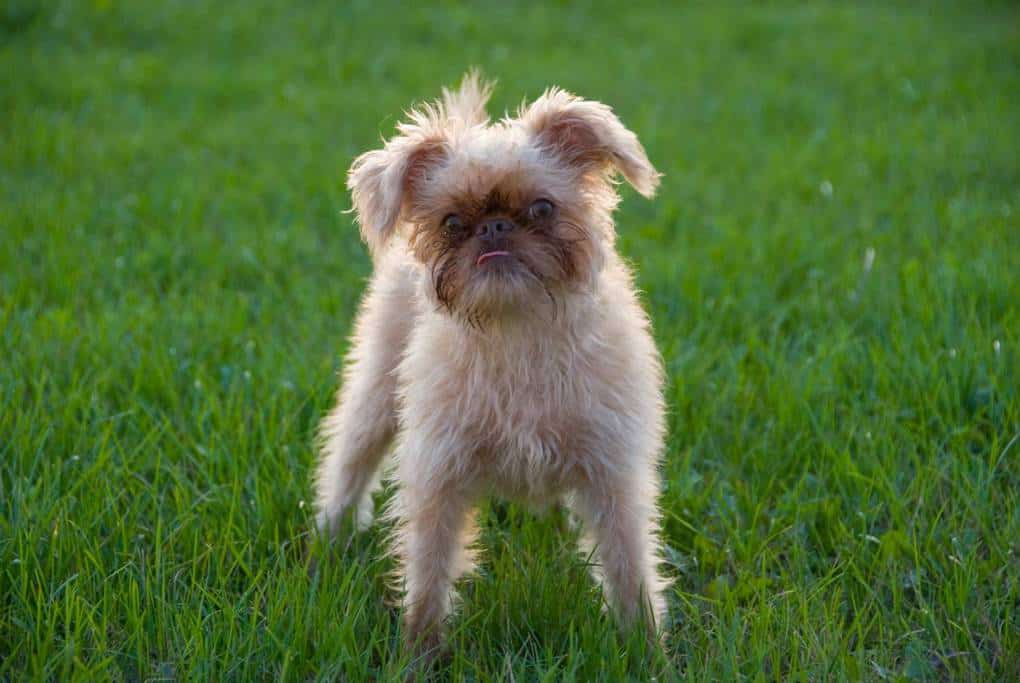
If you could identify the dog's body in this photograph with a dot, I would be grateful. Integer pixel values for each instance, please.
(501, 345)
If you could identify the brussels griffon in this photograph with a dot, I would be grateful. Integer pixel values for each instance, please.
(500, 347)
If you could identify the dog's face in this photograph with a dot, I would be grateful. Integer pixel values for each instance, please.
(500, 214)
(499, 222)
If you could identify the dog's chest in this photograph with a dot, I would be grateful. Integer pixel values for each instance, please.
(529, 412)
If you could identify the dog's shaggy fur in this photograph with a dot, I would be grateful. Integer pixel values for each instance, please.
(500, 347)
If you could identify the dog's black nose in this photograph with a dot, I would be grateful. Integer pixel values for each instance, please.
(491, 228)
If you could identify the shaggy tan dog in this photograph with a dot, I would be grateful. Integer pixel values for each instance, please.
(500, 348)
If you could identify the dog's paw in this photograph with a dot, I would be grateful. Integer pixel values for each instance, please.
(426, 644)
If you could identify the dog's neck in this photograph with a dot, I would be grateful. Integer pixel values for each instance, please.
(566, 314)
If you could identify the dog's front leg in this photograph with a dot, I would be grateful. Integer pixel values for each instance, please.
(621, 520)
(434, 529)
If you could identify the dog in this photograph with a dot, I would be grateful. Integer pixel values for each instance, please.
(500, 347)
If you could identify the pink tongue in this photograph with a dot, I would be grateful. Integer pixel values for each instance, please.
(490, 254)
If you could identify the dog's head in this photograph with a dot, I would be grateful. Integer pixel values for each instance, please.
(499, 213)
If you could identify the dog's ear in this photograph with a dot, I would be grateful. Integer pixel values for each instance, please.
(383, 181)
(589, 135)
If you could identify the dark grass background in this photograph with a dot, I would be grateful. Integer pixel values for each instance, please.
(832, 267)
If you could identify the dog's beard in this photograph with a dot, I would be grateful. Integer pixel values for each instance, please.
(532, 273)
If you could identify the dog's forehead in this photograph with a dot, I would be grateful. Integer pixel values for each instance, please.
(494, 149)
(495, 157)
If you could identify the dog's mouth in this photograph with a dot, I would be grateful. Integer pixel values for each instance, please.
(492, 255)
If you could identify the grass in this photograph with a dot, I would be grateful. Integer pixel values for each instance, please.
(832, 267)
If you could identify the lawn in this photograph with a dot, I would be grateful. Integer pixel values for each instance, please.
(832, 267)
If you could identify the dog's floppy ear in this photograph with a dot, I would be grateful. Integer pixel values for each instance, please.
(382, 181)
(588, 134)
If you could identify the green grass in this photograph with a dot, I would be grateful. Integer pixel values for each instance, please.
(832, 267)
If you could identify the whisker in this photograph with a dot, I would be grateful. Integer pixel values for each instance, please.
(545, 286)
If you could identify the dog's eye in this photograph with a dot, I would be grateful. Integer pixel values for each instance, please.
(539, 209)
(453, 222)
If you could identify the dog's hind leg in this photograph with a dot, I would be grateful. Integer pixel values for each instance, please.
(358, 431)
